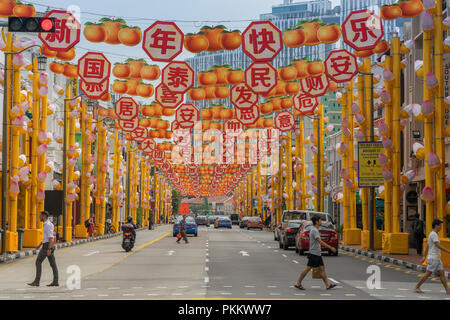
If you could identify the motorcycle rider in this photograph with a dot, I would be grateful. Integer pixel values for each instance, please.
(130, 221)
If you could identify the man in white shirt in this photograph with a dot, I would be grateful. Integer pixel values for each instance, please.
(433, 250)
(46, 252)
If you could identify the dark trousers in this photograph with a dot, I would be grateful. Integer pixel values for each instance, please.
(184, 236)
(419, 244)
(51, 259)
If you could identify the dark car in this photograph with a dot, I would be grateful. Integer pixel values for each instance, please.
(202, 221)
(287, 236)
(254, 223)
(327, 233)
(223, 222)
(212, 219)
(243, 222)
(234, 218)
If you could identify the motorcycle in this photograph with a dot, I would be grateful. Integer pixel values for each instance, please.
(128, 237)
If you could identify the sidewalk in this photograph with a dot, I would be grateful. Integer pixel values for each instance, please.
(411, 261)
(25, 252)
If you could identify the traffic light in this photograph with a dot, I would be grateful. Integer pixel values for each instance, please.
(31, 24)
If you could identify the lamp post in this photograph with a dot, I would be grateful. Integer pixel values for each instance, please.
(42, 64)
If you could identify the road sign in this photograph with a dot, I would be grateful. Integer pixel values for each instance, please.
(163, 41)
(369, 171)
(362, 30)
(261, 77)
(341, 66)
(67, 31)
(262, 41)
(94, 67)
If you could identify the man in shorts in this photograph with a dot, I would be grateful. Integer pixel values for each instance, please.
(433, 250)
(315, 255)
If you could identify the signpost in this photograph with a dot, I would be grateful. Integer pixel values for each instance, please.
(369, 171)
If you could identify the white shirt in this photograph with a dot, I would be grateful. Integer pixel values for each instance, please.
(433, 251)
(48, 231)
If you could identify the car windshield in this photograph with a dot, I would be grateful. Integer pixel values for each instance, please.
(294, 224)
(256, 219)
(188, 220)
(224, 218)
(294, 215)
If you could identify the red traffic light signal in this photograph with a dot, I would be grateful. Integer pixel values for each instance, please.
(31, 24)
(47, 24)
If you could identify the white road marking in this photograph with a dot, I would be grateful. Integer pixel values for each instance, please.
(228, 286)
(90, 253)
(91, 289)
(152, 294)
(207, 254)
(249, 286)
(78, 295)
(206, 279)
(271, 286)
(350, 294)
(170, 253)
(102, 295)
(225, 293)
(27, 297)
(21, 289)
(161, 287)
(250, 293)
(360, 287)
(4, 297)
(53, 297)
(244, 253)
(399, 296)
(114, 288)
(206, 268)
(426, 290)
(423, 297)
(138, 287)
(177, 294)
(315, 287)
(274, 294)
(206, 260)
(402, 289)
(294, 261)
(300, 294)
(333, 280)
(375, 295)
(205, 286)
(325, 294)
(275, 250)
(182, 287)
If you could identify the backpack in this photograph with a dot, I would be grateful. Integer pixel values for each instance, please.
(418, 227)
(87, 224)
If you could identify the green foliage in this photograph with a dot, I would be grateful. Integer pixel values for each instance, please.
(176, 201)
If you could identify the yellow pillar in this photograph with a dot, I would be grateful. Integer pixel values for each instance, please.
(346, 205)
(289, 180)
(321, 158)
(388, 185)
(303, 166)
(80, 229)
(42, 158)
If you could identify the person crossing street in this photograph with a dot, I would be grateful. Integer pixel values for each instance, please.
(183, 230)
(47, 251)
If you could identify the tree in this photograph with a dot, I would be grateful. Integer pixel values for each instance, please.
(176, 201)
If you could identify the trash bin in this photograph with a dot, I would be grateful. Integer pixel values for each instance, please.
(20, 231)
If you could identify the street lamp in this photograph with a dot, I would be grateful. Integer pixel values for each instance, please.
(41, 67)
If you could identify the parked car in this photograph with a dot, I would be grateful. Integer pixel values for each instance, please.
(327, 233)
(202, 221)
(254, 223)
(287, 236)
(223, 222)
(191, 226)
(243, 222)
(234, 218)
(212, 219)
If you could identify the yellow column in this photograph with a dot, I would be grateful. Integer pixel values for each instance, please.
(42, 158)
(87, 204)
(288, 156)
(367, 104)
(103, 195)
(80, 229)
(70, 168)
(303, 166)
(33, 236)
(315, 159)
(388, 185)
(320, 157)
(259, 188)
(346, 192)
(115, 205)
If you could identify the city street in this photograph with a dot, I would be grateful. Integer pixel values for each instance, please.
(218, 264)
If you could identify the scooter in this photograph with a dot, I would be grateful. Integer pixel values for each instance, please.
(128, 237)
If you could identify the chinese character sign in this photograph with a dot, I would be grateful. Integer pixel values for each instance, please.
(242, 96)
(93, 67)
(140, 134)
(163, 41)
(315, 86)
(178, 77)
(148, 145)
(248, 116)
(362, 30)
(262, 41)
(285, 121)
(167, 98)
(261, 77)
(233, 128)
(305, 104)
(129, 125)
(127, 109)
(94, 91)
(341, 66)
(67, 31)
(187, 115)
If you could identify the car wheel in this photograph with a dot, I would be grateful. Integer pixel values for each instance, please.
(285, 246)
(296, 249)
(195, 234)
(174, 234)
(280, 245)
(274, 237)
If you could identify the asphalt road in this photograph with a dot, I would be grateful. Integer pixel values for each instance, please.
(218, 264)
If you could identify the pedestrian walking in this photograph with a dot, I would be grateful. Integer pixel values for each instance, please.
(433, 250)
(418, 228)
(150, 221)
(315, 255)
(267, 221)
(91, 229)
(183, 230)
(47, 251)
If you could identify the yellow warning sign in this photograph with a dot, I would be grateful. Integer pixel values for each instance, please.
(369, 171)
